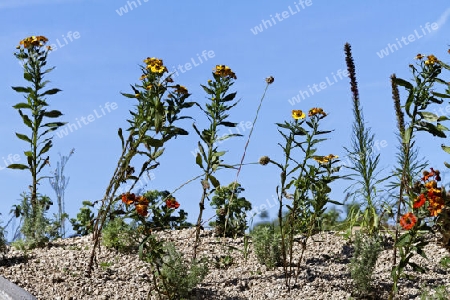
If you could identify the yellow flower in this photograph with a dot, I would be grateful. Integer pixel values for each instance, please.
(155, 65)
(224, 71)
(298, 114)
(431, 60)
(31, 41)
(325, 159)
(181, 89)
(419, 56)
(315, 111)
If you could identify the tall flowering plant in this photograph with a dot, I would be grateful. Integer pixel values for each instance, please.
(39, 120)
(304, 183)
(425, 209)
(413, 196)
(159, 105)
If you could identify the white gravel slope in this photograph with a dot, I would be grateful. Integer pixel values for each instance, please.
(57, 272)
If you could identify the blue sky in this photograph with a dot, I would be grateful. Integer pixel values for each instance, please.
(100, 44)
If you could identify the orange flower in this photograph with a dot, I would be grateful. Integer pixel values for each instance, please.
(128, 198)
(142, 200)
(142, 209)
(408, 220)
(172, 203)
(419, 201)
(436, 205)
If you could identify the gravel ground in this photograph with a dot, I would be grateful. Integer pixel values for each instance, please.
(57, 272)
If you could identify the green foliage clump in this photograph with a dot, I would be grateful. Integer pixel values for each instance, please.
(179, 278)
(230, 210)
(267, 245)
(367, 249)
(119, 235)
(440, 293)
(84, 222)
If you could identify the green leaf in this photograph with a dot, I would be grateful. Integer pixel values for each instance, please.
(228, 124)
(46, 147)
(28, 153)
(442, 127)
(447, 164)
(214, 181)
(55, 124)
(198, 160)
(129, 95)
(50, 92)
(21, 89)
(443, 118)
(119, 132)
(18, 166)
(229, 97)
(404, 83)
(440, 95)
(53, 114)
(405, 238)
(22, 105)
(430, 117)
(416, 267)
(154, 142)
(23, 137)
(28, 77)
(445, 148)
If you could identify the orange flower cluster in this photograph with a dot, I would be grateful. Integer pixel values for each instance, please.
(172, 203)
(140, 202)
(431, 197)
(316, 111)
(224, 71)
(33, 41)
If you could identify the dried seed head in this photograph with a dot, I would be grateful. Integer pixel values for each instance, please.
(264, 160)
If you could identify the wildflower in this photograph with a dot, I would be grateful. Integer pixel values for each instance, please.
(181, 89)
(431, 60)
(142, 77)
(408, 220)
(128, 198)
(431, 184)
(270, 80)
(325, 159)
(224, 71)
(31, 41)
(142, 209)
(315, 111)
(419, 201)
(172, 203)
(49, 48)
(298, 114)
(155, 65)
(436, 205)
(142, 200)
(264, 160)
(419, 56)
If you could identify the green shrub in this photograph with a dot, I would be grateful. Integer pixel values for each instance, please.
(267, 245)
(362, 264)
(230, 212)
(179, 277)
(440, 293)
(84, 222)
(119, 235)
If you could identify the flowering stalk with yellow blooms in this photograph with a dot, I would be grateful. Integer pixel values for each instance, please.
(32, 52)
(308, 179)
(158, 106)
